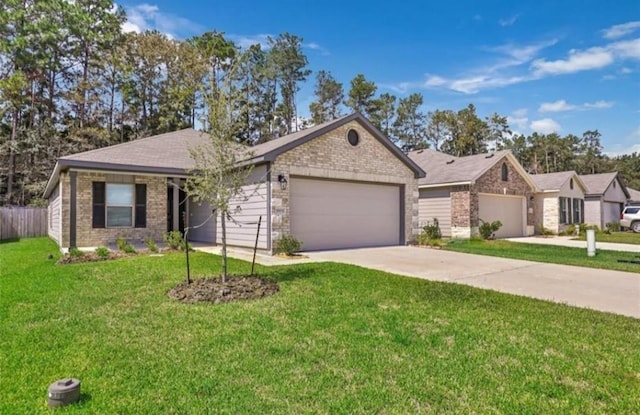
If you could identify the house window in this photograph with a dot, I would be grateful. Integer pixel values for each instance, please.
(571, 184)
(577, 211)
(120, 203)
(505, 172)
(353, 137)
(563, 210)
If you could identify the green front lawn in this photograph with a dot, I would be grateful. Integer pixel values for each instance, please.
(335, 339)
(617, 237)
(548, 253)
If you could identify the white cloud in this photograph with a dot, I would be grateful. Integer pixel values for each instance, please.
(578, 60)
(599, 104)
(146, 16)
(626, 49)
(592, 58)
(128, 27)
(519, 119)
(245, 41)
(562, 105)
(478, 83)
(625, 71)
(620, 30)
(314, 46)
(556, 106)
(435, 81)
(509, 21)
(545, 126)
(521, 112)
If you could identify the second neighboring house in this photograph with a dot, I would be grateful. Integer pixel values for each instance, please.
(634, 196)
(560, 201)
(605, 198)
(463, 192)
(339, 184)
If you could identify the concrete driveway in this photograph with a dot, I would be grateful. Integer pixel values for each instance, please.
(612, 291)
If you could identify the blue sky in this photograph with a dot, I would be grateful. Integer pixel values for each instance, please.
(566, 66)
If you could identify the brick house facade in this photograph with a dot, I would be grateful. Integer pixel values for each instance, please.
(150, 171)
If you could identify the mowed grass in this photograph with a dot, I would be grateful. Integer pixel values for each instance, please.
(616, 237)
(549, 253)
(335, 339)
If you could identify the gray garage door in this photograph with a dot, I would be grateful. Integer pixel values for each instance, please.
(436, 204)
(506, 209)
(335, 214)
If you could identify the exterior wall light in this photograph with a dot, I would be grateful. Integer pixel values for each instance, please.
(283, 181)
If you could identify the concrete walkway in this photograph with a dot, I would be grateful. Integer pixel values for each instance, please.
(611, 291)
(567, 241)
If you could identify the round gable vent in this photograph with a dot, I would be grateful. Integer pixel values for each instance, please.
(353, 137)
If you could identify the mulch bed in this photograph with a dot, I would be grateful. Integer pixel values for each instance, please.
(91, 257)
(212, 290)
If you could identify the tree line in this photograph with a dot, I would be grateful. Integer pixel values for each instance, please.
(72, 81)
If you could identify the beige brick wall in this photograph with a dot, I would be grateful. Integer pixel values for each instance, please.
(491, 182)
(465, 201)
(331, 156)
(86, 236)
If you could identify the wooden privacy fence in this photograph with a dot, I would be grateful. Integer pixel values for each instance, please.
(22, 222)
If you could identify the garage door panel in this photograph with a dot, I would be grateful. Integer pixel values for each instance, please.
(435, 203)
(332, 214)
(508, 210)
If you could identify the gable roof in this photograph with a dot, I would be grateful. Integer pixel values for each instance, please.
(597, 184)
(634, 195)
(445, 169)
(169, 153)
(551, 182)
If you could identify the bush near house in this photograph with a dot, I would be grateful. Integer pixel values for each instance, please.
(288, 245)
(488, 229)
(430, 235)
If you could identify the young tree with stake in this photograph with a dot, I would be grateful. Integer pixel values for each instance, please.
(219, 175)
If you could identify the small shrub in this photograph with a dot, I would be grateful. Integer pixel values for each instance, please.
(488, 229)
(183, 246)
(151, 245)
(569, 231)
(432, 230)
(584, 228)
(545, 231)
(288, 244)
(76, 253)
(121, 242)
(173, 239)
(613, 227)
(102, 252)
(129, 249)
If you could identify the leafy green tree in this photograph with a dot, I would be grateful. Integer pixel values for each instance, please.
(290, 68)
(439, 127)
(361, 96)
(384, 113)
(217, 178)
(590, 152)
(410, 125)
(498, 129)
(329, 96)
(258, 97)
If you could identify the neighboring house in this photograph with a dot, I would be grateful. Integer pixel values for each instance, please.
(560, 201)
(462, 192)
(605, 198)
(634, 197)
(336, 185)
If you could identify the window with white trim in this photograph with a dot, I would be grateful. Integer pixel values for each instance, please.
(120, 203)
